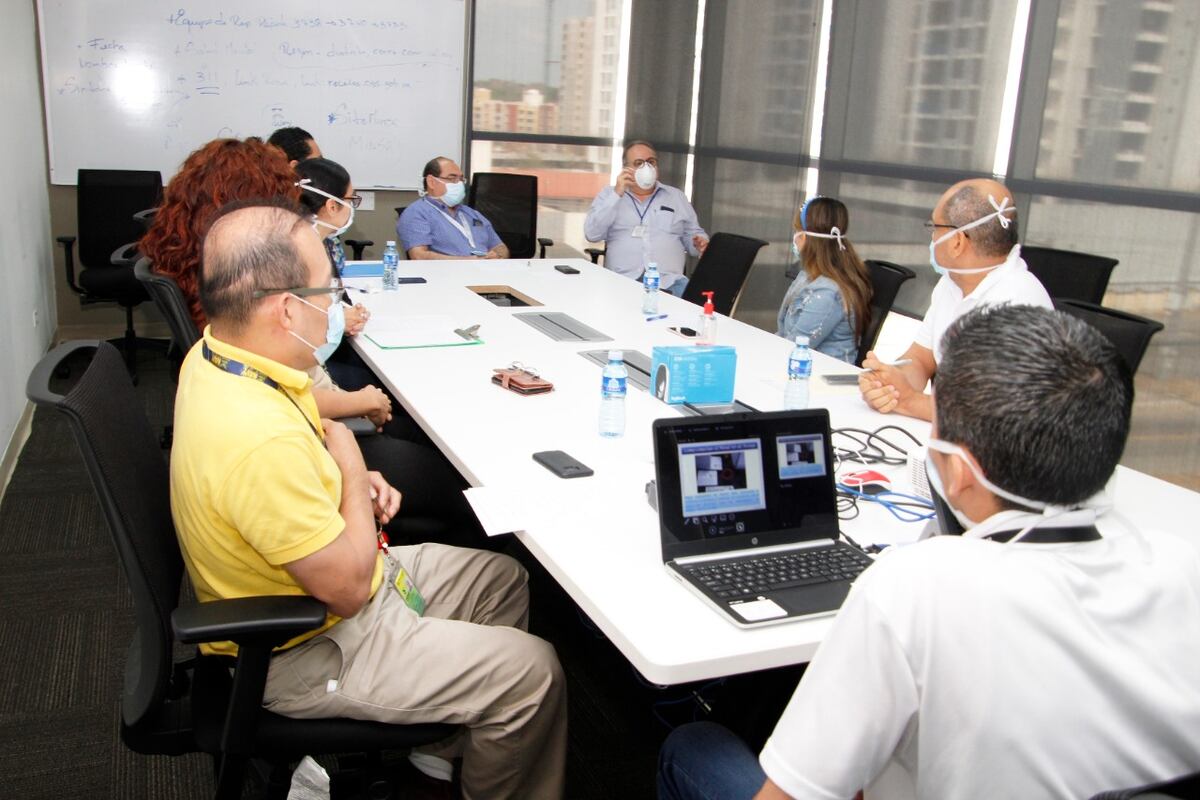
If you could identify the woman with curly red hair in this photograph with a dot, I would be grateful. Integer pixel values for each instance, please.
(220, 172)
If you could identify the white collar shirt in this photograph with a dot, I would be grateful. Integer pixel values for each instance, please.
(962, 667)
(1011, 282)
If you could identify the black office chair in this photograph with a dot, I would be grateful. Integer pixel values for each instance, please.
(170, 707)
(169, 300)
(722, 270)
(1070, 275)
(886, 280)
(358, 245)
(509, 201)
(595, 253)
(1129, 333)
(107, 201)
(1186, 787)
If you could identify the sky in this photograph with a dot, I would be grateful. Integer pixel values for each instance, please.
(510, 37)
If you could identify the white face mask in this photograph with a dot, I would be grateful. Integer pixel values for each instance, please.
(306, 185)
(645, 176)
(1002, 208)
(1082, 513)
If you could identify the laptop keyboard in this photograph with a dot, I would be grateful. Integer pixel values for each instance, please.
(748, 576)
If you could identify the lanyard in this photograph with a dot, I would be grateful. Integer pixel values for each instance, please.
(642, 214)
(246, 371)
(465, 230)
(1060, 535)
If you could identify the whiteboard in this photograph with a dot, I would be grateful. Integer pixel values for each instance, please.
(139, 84)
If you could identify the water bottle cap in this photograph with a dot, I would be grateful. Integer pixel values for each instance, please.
(652, 266)
(616, 355)
(802, 340)
(391, 243)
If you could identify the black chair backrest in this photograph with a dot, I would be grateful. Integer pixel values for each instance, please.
(168, 297)
(1129, 333)
(106, 200)
(1071, 275)
(509, 201)
(722, 270)
(886, 280)
(129, 474)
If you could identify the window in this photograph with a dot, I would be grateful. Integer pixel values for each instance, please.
(1147, 52)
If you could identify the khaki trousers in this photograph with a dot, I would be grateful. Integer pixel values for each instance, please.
(467, 660)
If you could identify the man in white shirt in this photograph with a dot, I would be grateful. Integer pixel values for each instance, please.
(1049, 651)
(641, 220)
(973, 246)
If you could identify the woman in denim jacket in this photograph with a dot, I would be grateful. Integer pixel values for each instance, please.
(830, 300)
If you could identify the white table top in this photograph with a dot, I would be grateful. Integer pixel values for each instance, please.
(598, 536)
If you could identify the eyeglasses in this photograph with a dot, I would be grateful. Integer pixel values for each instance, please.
(530, 371)
(299, 291)
(931, 225)
(639, 162)
(355, 200)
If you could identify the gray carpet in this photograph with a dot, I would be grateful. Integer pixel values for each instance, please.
(66, 622)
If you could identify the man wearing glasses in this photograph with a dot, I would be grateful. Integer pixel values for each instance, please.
(973, 247)
(440, 225)
(641, 220)
(270, 499)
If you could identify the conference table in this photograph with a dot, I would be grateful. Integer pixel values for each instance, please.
(598, 536)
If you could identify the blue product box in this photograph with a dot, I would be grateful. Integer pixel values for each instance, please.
(694, 373)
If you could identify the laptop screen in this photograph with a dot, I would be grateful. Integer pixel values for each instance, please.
(744, 480)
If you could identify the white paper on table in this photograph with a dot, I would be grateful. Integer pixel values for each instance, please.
(498, 510)
(430, 330)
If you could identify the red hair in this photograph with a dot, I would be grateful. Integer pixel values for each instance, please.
(220, 172)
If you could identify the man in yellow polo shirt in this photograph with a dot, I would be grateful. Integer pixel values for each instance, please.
(270, 499)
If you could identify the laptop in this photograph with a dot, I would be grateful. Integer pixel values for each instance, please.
(747, 513)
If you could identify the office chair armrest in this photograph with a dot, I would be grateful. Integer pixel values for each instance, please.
(248, 621)
(359, 426)
(125, 256)
(544, 244)
(358, 245)
(37, 386)
(594, 253)
(68, 243)
(146, 216)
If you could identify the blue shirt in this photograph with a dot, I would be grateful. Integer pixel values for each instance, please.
(426, 223)
(337, 255)
(670, 224)
(816, 309)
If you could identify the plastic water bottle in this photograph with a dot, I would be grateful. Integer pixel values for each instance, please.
(799, 371)
(612, 396)
(391, 259)
(650, 281)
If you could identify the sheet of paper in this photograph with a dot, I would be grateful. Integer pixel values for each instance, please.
(754, 610)
(432, 330)
(499, 511)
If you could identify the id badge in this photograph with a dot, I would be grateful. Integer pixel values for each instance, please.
(639, 232)
(408, 591)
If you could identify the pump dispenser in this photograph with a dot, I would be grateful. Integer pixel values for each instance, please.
(708, 322)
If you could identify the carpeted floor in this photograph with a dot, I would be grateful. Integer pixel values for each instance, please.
(66, 622)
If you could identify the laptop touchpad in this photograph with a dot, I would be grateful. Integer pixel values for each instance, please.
(813, 599)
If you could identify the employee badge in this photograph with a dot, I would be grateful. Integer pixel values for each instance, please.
(639, 232)
(408, 591)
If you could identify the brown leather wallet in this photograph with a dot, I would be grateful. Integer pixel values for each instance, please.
(521, 381)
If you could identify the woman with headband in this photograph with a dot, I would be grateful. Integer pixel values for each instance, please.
(830, 300)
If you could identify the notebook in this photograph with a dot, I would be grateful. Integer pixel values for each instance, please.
(748, 514)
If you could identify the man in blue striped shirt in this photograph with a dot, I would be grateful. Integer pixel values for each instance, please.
(439, 225)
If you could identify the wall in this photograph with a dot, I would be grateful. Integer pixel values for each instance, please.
(25, 258)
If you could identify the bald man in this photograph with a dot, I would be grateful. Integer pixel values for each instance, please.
(973, 246)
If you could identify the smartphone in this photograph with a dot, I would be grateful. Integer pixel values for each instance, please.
(841, 379)
(565, 270)
(409, 280)
(679, 330)
(561, 464)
